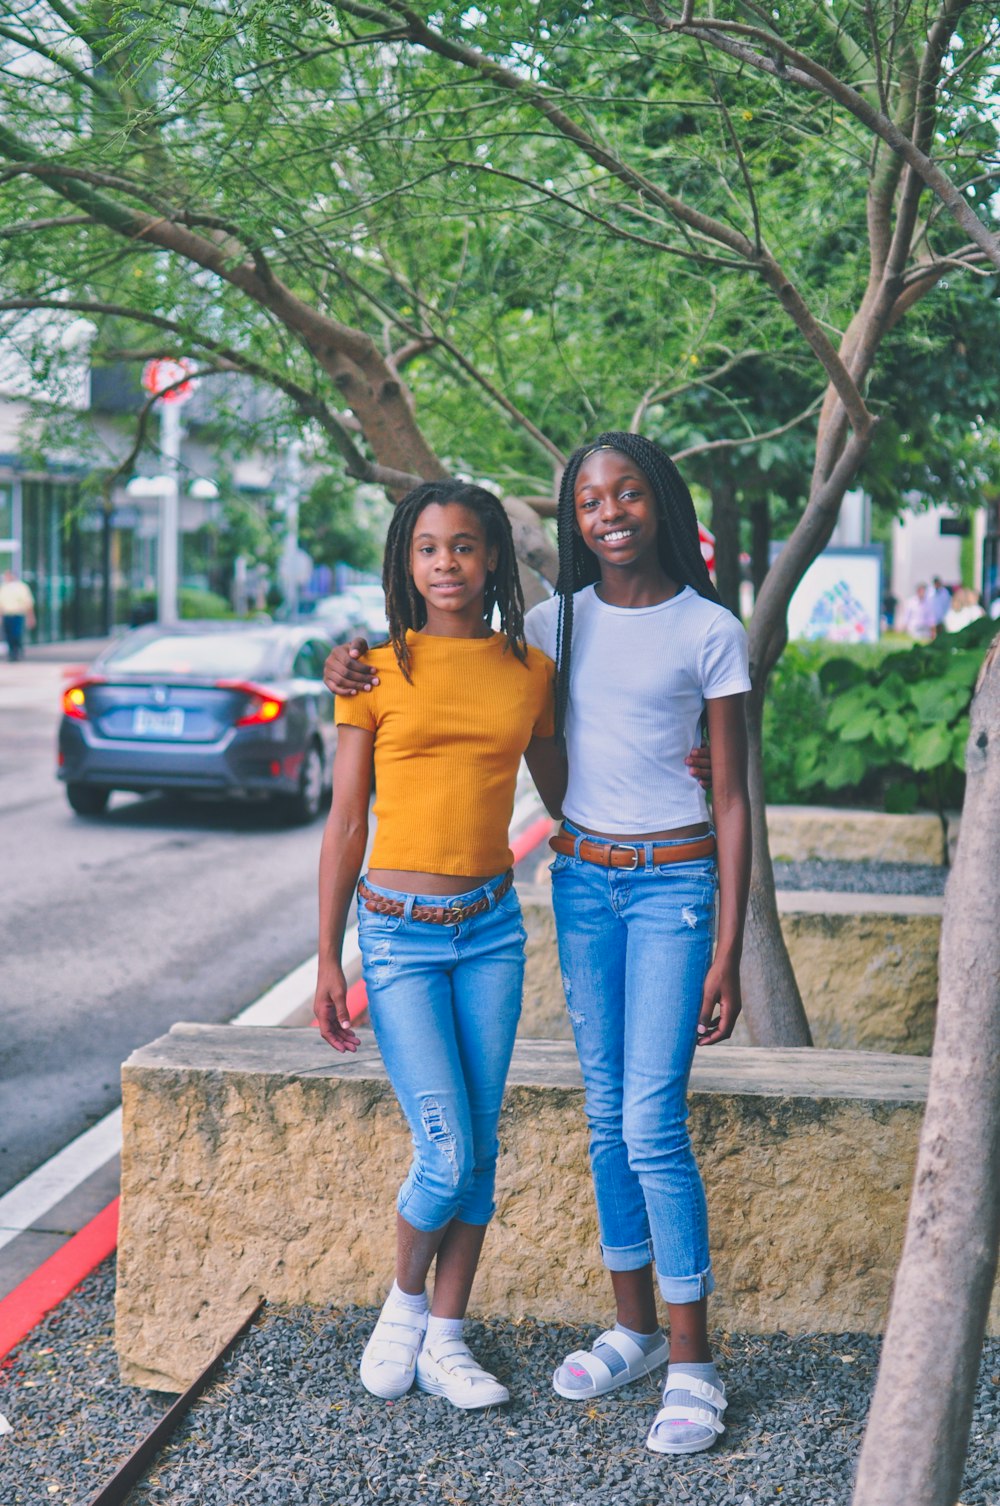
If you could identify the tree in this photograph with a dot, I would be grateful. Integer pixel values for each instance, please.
(307, 198)
(917, 1435)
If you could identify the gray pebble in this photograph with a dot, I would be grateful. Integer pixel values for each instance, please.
(287, 1423)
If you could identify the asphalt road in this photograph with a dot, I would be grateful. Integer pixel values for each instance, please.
(111, 930)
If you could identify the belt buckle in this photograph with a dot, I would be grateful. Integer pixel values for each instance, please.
(626, 847)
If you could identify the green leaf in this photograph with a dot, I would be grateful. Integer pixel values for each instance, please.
(937, 701)
(844, 765)
(960, 736)
(859, 727)
(931, 748)
(837, 675)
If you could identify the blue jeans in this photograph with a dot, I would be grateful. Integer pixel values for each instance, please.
(444, 1002)
(634, 948)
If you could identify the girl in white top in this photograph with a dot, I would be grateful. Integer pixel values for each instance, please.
(644, 648)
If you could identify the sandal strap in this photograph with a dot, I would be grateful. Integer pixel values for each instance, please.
(680, 1380)
(696, 1416)
(592, 1363)
(627, 1348)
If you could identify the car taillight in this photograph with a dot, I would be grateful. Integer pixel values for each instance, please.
(74, 699)
(262, 705)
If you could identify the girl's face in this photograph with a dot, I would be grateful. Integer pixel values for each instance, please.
(450, 560)
(615, 509)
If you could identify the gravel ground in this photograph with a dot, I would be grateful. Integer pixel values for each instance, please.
(862, 878)
(287, 1422)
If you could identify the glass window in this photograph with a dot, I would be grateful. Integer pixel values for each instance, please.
(222, 656)
(6, 510)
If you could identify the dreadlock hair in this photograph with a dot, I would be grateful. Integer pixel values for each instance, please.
(406, 608)
(677, 540)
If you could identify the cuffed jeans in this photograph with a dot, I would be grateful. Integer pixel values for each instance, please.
(444, 1002)
(634, 948)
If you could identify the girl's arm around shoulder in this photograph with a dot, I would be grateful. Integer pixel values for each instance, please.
(341, 856)
(727, 729)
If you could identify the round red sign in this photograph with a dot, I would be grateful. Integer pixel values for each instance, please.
(159, 377)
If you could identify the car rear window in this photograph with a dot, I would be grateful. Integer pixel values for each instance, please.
(223, 656)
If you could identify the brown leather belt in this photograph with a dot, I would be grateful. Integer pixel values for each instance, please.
(435, 915)
(631, 854)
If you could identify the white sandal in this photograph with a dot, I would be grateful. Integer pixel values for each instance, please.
(709, 1416)
(637, 1364)
(449, 1369)
(389, 1362)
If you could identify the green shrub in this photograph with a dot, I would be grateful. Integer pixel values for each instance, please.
(192, 604)
(886, 729)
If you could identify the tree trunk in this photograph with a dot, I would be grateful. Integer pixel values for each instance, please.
(760, 541)
(726, 527)
(772, 1004)
(917, 1435)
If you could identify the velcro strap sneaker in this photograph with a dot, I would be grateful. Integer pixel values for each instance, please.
(450, 1370)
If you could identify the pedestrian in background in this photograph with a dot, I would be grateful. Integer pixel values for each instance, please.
(17, 608)
(940, 599)
(965, 607)
(917, 617)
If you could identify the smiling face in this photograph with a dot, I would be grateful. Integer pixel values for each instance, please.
(615, 509)
(450, 559)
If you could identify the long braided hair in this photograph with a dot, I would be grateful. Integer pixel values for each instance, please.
(406, 608)
(677, 542)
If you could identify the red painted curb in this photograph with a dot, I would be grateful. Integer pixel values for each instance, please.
(532, 836)
(56, 1277)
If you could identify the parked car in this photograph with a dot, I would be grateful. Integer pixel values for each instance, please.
(225, 708)
(356, 612)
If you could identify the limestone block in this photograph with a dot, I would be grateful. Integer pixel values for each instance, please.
(867, 966)
(799, 832)
(543, 1007)
(257, 1162)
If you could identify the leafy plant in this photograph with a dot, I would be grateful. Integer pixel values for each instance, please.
(888, 730)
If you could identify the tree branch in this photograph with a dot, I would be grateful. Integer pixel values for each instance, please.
(750, 439)
(807, 73)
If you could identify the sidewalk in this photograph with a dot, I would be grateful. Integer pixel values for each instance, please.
(36, 680)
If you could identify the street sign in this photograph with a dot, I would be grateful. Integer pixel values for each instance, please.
(158, 376)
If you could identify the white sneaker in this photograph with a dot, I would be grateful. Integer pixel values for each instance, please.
(389, 1362)
(449, 1370)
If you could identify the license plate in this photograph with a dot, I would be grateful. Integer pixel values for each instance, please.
(150, 723)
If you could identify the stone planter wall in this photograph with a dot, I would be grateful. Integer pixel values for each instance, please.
(866, 965)
(258, 1162)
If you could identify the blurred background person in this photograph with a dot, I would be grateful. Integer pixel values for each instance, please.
(917, 617)
(965, 607)
(17, 608)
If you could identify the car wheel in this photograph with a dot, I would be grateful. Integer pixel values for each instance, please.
(305, 804)
(87, 799)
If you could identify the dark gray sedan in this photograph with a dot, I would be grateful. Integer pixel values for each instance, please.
(215, 708)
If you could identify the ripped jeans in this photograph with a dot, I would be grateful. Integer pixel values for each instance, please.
(444, 1002)
(634, 948)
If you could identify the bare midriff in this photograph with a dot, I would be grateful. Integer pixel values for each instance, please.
(408, 882)
(674, 834)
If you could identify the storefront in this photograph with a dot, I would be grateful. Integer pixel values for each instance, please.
(78, 561)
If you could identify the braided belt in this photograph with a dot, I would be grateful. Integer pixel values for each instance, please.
(435, 915)
(631, 854)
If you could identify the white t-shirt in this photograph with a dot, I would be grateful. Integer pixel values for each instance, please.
(639, 679)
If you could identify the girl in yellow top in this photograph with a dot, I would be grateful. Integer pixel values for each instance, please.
(442, 941)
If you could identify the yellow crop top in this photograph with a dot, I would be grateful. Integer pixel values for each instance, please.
(448, 747)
